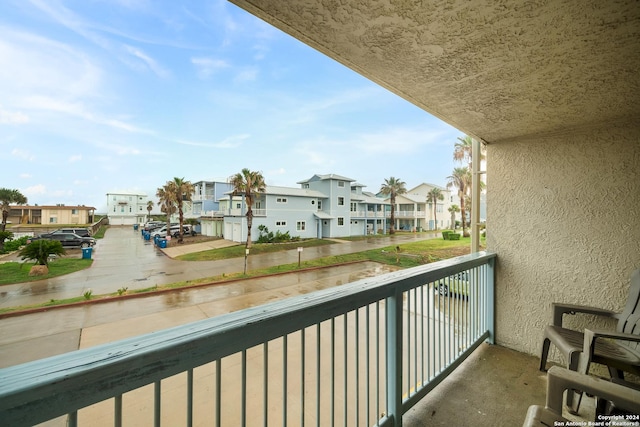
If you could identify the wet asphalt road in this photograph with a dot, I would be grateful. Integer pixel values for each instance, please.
(123, 259)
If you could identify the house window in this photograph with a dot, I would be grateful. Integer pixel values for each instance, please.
(122, 209)
(319, 205)
(340, 220)
(281, 200)
(353, 207)
(301, 225)
(129, 209)
(305, 185)
(281, 223)
(238, 205)
(114, 209)
(341, 184)
(53, 220)
(74, 211)
(140, 208)
(340, 201)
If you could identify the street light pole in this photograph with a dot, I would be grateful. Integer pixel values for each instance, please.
(246, 254)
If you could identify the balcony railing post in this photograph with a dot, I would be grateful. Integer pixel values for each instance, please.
(490, 309)
(393, 307)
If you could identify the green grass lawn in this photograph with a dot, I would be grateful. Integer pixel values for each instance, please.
(256, 248)
(17, 272)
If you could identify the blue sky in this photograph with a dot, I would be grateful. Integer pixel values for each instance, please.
(123, 95)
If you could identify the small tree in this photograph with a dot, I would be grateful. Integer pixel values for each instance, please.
(149, 209)
(40, 251)
(393, 187)
(432, 197)
(453, 210)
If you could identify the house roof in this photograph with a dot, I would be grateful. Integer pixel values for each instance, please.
(325, 177)
(59, 207)
(291, 191)
(322, 215)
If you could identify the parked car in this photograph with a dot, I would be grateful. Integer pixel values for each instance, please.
(153, 225)
(68, 240)
(174, 231)
(456, 285)
(83, 232)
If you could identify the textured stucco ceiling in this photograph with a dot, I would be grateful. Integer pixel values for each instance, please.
(498, 70)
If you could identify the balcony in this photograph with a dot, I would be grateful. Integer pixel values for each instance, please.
(373, 352)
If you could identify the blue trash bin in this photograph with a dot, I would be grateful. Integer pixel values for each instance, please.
(155, 239)
(146, 235)
(162, 243)
(135, 227)
(86, 253)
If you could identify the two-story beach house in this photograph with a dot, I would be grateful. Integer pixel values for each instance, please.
(413, 213)
(126, 208)
(324, 206)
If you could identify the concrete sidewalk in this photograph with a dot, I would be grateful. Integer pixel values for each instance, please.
(178, 250)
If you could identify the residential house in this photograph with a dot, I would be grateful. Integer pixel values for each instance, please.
(369, 213)
(324, 206)
(51, 214)
(206, 196)
(126, 208)
(416, 213)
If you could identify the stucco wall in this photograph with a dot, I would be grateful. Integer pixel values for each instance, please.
(564, 219)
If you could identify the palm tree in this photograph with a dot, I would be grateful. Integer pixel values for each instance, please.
(7, 197)
(149, 209)
(461, 179)
(181, 192)
(453, 209)
(249, 184)
(432, 197)
(463, 148)
(393, 187)
(166, 203)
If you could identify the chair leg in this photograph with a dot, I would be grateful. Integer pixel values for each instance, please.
(545, 353)
(573, 406)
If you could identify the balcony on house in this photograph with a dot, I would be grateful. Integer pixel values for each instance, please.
(411, 348)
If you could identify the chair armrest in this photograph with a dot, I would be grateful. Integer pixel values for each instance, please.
(561, 379)
(559, 309)
(590, 338)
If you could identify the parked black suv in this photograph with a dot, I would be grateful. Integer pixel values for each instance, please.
(68, 240)
(82, 232)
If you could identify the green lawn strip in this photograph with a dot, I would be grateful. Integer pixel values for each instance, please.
(256, 248)
(18, 272)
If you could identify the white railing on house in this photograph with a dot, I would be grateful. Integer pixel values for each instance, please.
(357, 354)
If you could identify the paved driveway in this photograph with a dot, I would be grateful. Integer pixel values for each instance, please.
(123, 259)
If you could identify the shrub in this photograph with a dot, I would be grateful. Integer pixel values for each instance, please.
(446, 234)
(454, 236)
(15, 244)
(41, 250)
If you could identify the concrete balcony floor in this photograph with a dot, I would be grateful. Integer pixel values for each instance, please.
(494, 387)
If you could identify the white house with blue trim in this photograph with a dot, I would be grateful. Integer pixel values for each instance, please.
(325, 206)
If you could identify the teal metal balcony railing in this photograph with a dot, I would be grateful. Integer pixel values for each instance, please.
(357, 354)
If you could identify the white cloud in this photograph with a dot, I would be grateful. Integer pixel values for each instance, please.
(34, 190)
(23, 154)
(230, 142)
(207, 66)
(246, 75)
(25, 175)
(75, 158)
(148, 62)
(12, 117)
